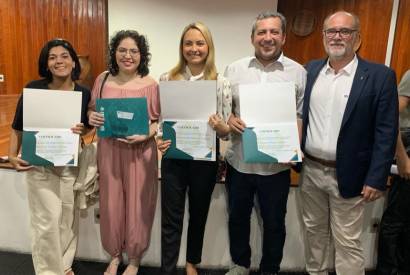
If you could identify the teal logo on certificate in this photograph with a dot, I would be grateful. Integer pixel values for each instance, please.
(48, 116)
(271, 143)
(272, 134)
(123, 117)
(190, 139)
(50, 148)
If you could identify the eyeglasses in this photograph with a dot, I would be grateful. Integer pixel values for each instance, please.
(124, 51)
(344, 33)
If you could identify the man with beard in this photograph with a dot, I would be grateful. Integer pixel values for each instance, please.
(270, 182)
(350, 119)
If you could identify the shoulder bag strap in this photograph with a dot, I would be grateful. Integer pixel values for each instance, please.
(100, 94)
(103, 82)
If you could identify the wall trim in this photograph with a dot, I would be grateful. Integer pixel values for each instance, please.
(392, 32)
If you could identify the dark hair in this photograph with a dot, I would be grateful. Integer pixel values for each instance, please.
(43, 59)
(269, 14)
(143, 47)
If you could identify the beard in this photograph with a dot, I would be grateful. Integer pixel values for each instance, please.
(336, 53)
(336, 50)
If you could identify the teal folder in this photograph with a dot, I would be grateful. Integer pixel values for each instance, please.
(251, 154)
(123, 117)
(173, 152)
(28, 150)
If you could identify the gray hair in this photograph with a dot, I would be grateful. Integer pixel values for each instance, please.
(270, 14)
(356, 20)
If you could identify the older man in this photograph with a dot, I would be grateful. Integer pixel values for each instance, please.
(270, 182)
(350, 118)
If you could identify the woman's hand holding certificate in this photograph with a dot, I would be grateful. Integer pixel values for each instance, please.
(19, 164)
(163, 145)
(96, 119)
(134, 139)
(78, 129)
(236, 124)
(218, 124)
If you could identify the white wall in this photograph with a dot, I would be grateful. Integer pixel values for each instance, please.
(162, 21)
(14, 229)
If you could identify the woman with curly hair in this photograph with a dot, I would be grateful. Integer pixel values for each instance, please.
(128, 167)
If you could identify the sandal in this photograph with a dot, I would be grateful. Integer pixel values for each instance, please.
(131, 270)
(113, 266)
(69, 271)
(190, 269)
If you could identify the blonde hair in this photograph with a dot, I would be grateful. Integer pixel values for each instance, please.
(209, 67)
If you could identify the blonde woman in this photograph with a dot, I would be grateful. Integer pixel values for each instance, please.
(197, 178)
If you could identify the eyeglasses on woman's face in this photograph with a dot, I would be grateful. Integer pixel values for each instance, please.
(123, 51)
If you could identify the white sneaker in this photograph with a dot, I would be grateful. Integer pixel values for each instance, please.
(238, 270)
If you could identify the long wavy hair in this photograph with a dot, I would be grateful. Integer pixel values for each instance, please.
(209, 67)
(143, 47)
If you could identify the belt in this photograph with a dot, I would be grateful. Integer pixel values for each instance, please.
(324, 162)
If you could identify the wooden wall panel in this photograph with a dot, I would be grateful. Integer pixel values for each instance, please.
(401, 49)
(7, 107)
(375, 23)
(25, 25)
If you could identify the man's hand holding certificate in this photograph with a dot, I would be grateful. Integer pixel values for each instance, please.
(271, 132)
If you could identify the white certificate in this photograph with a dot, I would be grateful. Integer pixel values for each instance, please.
(48, 116)
(43, 109)
(60, 147)
(185, 109)
(187, 100)
(267, 103)
(269, 112)
(190, 139)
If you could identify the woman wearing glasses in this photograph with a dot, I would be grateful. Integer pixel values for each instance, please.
(128, 167)
(197, 62)
(50, 190)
